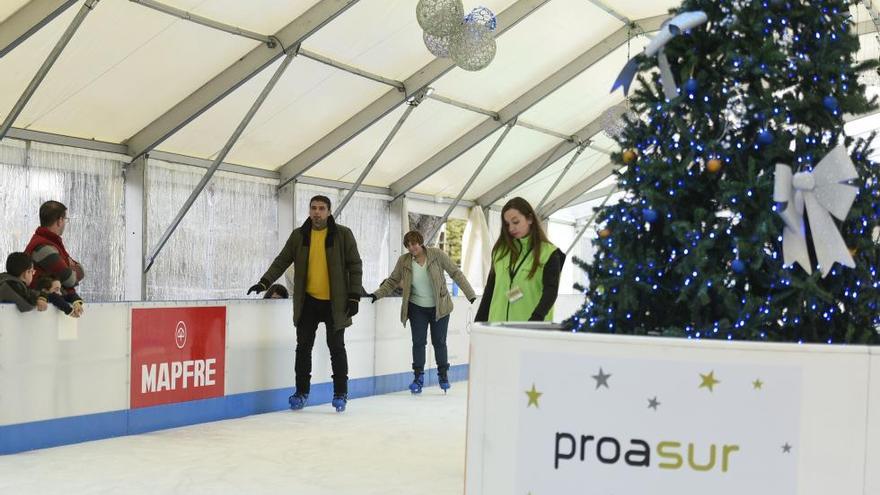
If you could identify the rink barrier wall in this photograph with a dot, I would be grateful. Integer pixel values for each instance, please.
(65, 381)
(821, 400)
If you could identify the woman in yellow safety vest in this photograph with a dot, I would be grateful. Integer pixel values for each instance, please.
(524, 280)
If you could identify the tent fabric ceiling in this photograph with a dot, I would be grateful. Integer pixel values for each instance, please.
(129, 64)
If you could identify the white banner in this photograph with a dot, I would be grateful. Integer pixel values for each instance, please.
(616, 426)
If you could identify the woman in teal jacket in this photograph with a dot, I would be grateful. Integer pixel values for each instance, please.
(524, 280)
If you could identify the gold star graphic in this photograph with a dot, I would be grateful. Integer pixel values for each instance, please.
(533, 396)
(709, 381)
(757, 384)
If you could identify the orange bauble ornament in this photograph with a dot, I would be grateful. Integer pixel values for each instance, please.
(714, 165)
(629, 156)
(605, 233)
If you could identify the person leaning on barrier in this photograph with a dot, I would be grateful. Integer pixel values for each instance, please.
(50, 287)
(276, 291)
(426, 302)
(524, 280)
(14, 284)
(49, 255)
(327, 288)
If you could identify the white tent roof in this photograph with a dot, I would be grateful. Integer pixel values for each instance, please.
(130, 70)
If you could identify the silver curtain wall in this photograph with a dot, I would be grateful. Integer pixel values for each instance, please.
(90, 183)
(225, 242)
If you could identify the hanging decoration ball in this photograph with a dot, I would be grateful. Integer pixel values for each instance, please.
(482, 16)
(830, 103)
(765, 137)
(628, 156)
(714, 165)
(439, 17)
(650, 215)
(614, 121)
(691, 86)
(605, 233)
(472, 47)
(437, 45)
(738, 266)
(853, 251)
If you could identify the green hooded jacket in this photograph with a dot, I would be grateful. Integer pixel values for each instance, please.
(343, 265)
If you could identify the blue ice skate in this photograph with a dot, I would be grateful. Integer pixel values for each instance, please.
(418, 382)
(339, 401)
(298, 401)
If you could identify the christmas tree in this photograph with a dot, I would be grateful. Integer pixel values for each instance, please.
(695, 247)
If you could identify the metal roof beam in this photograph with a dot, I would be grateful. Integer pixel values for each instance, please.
(391, 100)
(537, 165)
(234, 76)
(27, 20)
(578, 190)
(525, 101)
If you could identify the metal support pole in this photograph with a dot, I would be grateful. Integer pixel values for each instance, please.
(217, 161)
(574, 158)
(204, 21)
(411, 103)
(589, 222)
(470, 181)
(47, 64)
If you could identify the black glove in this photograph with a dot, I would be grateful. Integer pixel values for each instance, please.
(352, 308)
(259, 287)
(372, 297)
(471, 300)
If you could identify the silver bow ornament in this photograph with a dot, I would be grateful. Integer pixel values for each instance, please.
(823, 193)
(670, 29)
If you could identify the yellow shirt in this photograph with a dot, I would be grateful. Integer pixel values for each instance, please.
(318, 278)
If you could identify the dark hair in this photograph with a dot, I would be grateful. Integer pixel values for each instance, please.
(413, 237)
(321, 198)
(51, 212)
(505, 244)
(276, 289)
(45, 282)
(18, 263)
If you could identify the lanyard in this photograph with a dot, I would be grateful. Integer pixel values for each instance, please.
(511, 271)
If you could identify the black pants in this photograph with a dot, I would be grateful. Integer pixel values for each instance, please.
(315, 311)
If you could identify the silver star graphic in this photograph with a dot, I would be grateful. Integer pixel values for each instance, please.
(602, 379)
(786, 449)
(653, 403)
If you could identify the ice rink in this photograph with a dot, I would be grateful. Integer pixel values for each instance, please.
(388, 444)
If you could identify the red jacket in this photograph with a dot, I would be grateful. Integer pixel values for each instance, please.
(57, 262)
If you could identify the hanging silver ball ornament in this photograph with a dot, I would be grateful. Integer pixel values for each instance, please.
(437, 45)
(482, 16)
(614, 121)
(472, 47)
(439, 17)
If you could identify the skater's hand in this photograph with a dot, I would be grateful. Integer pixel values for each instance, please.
(352, 308)
(259, 287)
(372, 297)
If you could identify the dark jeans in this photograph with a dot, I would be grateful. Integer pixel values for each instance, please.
(419, 319)
(316, 311)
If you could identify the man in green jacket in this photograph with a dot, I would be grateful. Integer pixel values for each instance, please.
(326, 288)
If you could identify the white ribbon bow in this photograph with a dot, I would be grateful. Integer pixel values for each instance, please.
(670, 29)
(824, 193)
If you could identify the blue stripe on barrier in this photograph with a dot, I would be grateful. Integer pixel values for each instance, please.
(63, 431)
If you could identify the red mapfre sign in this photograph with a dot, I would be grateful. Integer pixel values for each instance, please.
(177, 354)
